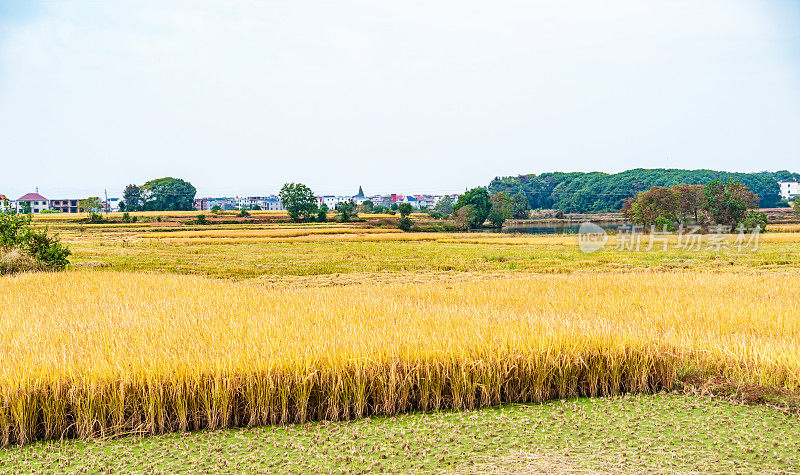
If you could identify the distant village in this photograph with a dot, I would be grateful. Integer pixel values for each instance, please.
(37, 203)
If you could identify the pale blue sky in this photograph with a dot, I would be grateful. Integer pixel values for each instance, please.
(402, 96)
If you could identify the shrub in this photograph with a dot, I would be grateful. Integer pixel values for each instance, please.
(753, 219)
(47, 250)
(13, 229)
(243, 213)
(405, 223)
(20, 244)
(126, 217)
(663, 223)
(322, 213)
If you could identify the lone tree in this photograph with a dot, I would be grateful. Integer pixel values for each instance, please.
(478, 198)
(405, 209)
(168, 194)
(299, 201)
(90, 205)
(405, 222)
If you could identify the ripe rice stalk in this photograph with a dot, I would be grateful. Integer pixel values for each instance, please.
(148, 353)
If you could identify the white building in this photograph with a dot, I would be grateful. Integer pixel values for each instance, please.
(37, 202)
(112, 205)
(330, 200)
(271, 204)
(789, 189)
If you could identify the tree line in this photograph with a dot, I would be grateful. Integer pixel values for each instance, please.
(161, 194)
(598, 192)
(729, 203)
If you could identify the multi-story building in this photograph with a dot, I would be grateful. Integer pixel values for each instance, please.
(111, 205)
(378, 200)
(65, 205)
(789, 189)
(330, 200)
(425, 201)
(225, 204)
(271, 204)
(37, 203)
(201, 204)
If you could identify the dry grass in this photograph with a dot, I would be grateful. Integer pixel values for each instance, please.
(272, 232)
(784, 228)
(153, 353)
(14, 260)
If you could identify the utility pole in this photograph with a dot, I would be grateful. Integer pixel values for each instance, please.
(107, 203)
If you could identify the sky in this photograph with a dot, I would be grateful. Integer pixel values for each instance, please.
(429, 96)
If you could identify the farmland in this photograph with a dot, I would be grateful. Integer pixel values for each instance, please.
(166, 326)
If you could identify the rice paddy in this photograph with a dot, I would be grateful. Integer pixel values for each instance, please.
(157, 330)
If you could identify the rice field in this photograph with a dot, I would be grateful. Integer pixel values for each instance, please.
(149, 353)
(175, 327)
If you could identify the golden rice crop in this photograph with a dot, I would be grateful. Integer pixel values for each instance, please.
(784, 228)
(95, 354)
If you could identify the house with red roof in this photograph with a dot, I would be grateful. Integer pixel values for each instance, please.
(36, 202)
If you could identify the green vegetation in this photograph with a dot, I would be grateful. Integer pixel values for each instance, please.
(478, 199)
(444, 206)
(299, 201)
(23, 248)
(602, 192)
(346, 210)
(730, 204)
(660, 433)
(162, 194)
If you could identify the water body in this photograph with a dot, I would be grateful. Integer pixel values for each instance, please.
(548, 228)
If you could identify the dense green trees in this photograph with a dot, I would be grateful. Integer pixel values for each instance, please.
(132, 198)
(444, 206)
(168, 194)
(728, 203)
(299, 201)
(481, 204)
(502, 208)
(161, 194)
(601, 192)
